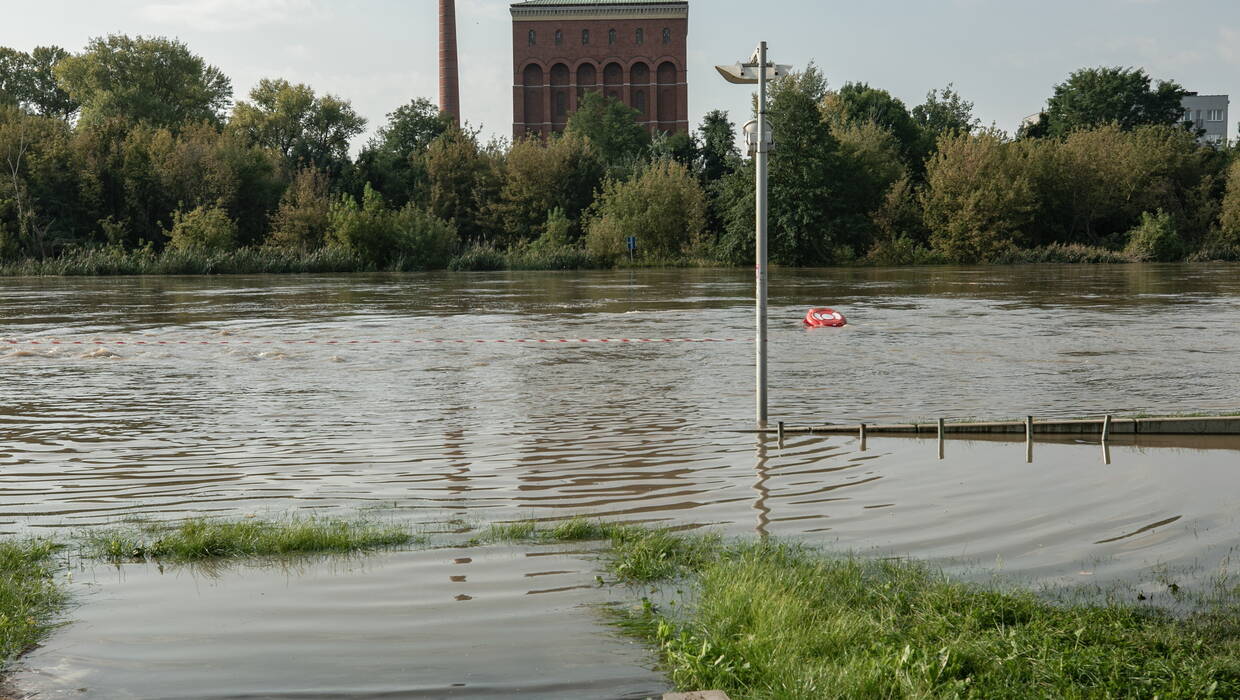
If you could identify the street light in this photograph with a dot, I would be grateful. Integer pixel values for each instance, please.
(759, 137)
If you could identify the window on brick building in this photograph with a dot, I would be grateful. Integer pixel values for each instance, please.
(611, 36)
(585, 37)
(667, 35)
(559, 37)
(533, 38)
(641, 36)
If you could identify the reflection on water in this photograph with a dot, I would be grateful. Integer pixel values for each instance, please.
(265, 394)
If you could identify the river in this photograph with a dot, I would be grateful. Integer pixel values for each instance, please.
(472, 398)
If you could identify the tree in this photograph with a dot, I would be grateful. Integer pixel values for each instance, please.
(539, 176)
(664, 206)
(978, 202)
(144, 80)
(610, 125)
(1126, 96)
(1229, 221)
(309, 131)
(392, 162)
(858, 103)
(27, 81)
(463, 182)
(811, 221)
(717, 152)
(944, 112)
(303, 216)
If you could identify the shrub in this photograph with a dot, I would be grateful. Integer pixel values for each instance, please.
(361, 228)
(1155, 239)
(978, 202)
(205, 228)
(407, 239)
(420, 240)
(480, 257)
(664, 207)
(304, 214)
(1229, 221)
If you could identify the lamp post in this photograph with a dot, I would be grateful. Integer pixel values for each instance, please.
(758, 136)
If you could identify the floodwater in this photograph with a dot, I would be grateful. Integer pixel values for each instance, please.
(166, 397)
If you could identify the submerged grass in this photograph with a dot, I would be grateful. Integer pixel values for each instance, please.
(636, 554)
(30, 597)
(200, 539)
(771, 620)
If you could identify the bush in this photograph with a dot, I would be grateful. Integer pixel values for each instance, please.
(1229, 220)
(405, 239)
(1155, 239)
(664, 207)
(978, 203)
(205, 228)
(304, 214)
(481, 257)
(420, 240)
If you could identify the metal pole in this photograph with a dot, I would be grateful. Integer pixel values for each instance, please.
(760, 236)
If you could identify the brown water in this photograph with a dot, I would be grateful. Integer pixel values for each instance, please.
(268, 394)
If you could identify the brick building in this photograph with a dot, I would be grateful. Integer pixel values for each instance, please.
(632, 50)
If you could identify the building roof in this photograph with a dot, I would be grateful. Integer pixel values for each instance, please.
(565, 9)
(541, 3)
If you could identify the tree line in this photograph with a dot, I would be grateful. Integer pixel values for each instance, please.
(135, 146)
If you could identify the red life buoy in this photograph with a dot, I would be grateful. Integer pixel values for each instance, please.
(825, 318)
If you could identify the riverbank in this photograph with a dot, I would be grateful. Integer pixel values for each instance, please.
(31, 597)
(111, 261)
(759, 618)
(765, 619)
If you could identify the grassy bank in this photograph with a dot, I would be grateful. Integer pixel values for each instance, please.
(93, 262)
(30, 597)
(201, 539)
(770, 620)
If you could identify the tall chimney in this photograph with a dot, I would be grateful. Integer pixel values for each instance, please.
(449, 74)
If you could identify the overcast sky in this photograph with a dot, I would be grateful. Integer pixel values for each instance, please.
(1003, 55)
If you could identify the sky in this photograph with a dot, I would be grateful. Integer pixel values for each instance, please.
(1005, 56)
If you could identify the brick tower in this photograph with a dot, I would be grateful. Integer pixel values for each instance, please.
(449, 73)
(632, 50)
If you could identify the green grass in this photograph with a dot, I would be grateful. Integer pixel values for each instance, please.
(770, 620)
(635, 555)
(202, 539)
(117, 261)
(30, 597)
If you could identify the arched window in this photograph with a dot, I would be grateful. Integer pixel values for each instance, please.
(559, 38)
(533, 38)
(585, 37)
(641, 37)
(611, 36)
(667, 35)
(639, 103)
(532, 81)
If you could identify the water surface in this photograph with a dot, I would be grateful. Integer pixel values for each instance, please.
(166, 397)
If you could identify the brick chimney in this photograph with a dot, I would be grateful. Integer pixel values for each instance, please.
(449, 74)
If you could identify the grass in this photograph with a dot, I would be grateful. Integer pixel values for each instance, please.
(116, 261)
(636, 554)
(203, 539)
(779, 621)
(30, 597)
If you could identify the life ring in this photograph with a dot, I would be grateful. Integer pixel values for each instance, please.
(825, 318)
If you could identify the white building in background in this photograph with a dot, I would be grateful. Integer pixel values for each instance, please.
(1208, 113)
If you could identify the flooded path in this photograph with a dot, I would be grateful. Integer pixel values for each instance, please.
(262, 395)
